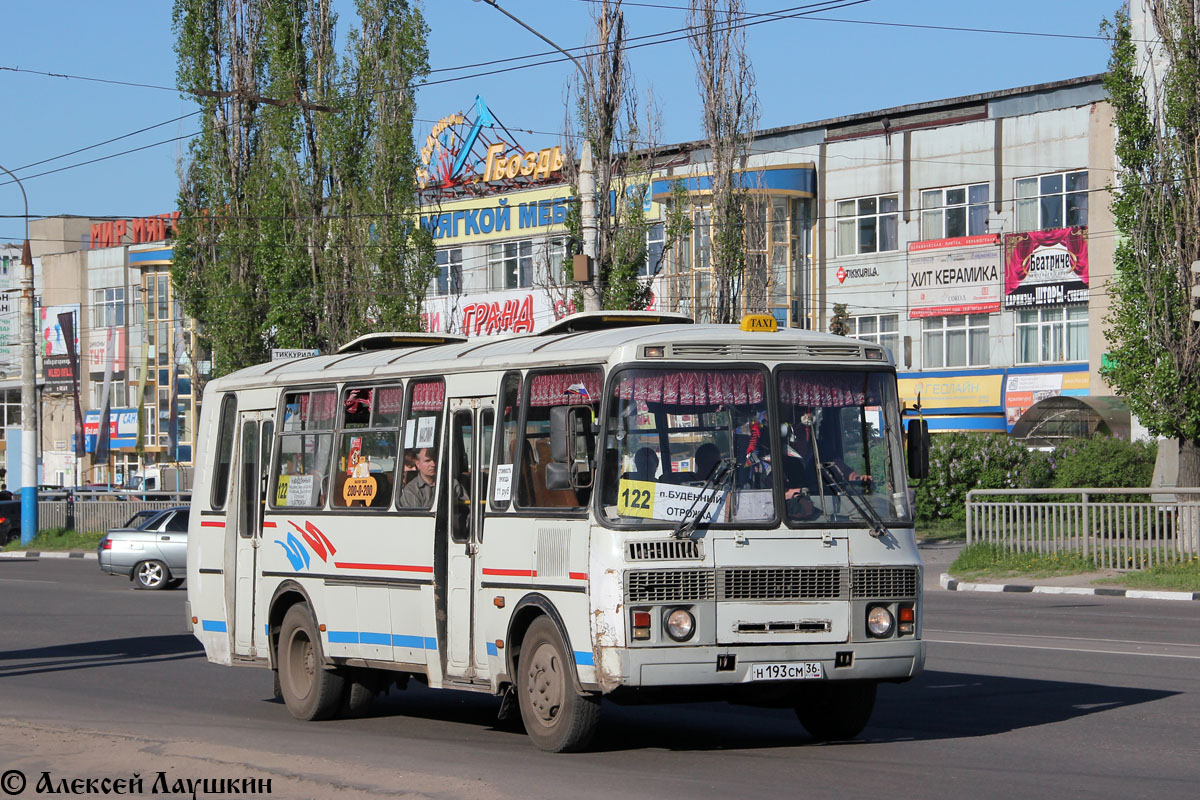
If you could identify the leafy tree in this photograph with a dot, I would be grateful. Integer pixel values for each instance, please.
(1154, 344)
(298, 195)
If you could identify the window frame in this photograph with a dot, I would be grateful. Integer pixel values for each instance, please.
(879, 334)
(277, 447)
(945, 206)
(1037, 201)
(341, 431)
(439, 439)
(859, 216)
(967, 328)
(1064, 323)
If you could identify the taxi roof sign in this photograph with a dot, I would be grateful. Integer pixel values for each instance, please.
(759, 323)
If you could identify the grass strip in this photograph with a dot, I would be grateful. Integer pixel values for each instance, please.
(58, 539)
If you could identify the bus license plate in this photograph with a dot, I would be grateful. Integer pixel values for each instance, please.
(793, 671)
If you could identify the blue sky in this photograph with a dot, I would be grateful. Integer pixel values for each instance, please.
(806, 69)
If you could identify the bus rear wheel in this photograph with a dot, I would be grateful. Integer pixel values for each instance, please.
(557, 718)
(310, 691)
(837, 710)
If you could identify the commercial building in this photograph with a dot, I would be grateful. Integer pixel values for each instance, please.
(107, 283)
(971, 236)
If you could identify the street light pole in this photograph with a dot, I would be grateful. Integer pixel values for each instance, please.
(587, 176)
(29, 506)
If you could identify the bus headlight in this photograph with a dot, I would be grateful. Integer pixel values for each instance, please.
(680, 624)
(880, 622)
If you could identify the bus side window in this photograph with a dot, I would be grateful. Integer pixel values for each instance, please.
(421, 435)
(367, 443)
(546, 390)
(228, 422)
(506, 452)
(301, 473)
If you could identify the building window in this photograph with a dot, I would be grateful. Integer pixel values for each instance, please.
(881, 329)
(510, 265)
(655, 238)
(958, 341)
(449, 272)
(1054, 333)
(868, 225)
(108, 308)
(1052, 201)
(953, 212)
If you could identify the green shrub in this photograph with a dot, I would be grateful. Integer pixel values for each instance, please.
(1103, 461)
(960, 462)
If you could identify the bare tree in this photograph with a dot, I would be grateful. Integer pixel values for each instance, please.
(726, 82)
(603, 103)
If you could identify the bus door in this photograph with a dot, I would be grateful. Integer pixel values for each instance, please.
(244, 525)
(468, 456)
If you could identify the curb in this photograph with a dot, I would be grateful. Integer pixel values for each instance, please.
(955, 585)
(37, 554)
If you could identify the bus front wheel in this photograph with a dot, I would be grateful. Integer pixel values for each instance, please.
(557, 718)
(310, 691)
(836, 710)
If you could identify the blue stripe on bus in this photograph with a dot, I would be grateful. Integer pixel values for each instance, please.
(267, 629)
(214, 625)
(491, 649)
(585, 659)
(375, 638)
(395, 640)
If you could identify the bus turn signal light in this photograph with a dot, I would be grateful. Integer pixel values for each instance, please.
(641, 625)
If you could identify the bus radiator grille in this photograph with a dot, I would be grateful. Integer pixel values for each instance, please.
(666, 550)
(669, 585)
(794, 583)
(883, 582)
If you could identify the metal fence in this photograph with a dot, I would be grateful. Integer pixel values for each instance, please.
(96, 512)
(1121, 529)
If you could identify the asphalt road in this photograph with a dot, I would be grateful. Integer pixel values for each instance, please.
(1024, 696)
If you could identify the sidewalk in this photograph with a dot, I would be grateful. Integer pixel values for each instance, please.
(938, 556)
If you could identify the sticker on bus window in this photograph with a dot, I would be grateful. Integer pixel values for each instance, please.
(503, 491)
(295, 490)
(666, 501)
(410, 429)
(359, 490)
(425, 430)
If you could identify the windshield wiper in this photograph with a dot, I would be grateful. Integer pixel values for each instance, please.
(856, 498)
(722, 473)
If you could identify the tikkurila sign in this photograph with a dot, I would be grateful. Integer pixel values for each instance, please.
(1043, 268)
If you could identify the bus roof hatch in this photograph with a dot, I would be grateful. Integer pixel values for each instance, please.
(605, 320)
(386, 340)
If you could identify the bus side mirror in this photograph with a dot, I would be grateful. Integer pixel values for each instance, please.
(572, 444)
(918, 449)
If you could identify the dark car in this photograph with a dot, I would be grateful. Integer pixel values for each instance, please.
(10, 521)
(150, 549)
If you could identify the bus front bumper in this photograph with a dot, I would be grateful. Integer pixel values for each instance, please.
(730, 665)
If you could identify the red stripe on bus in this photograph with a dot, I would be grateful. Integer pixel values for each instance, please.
(207, 524)
(577, 576)
(392, 567)
(268, 524)
(514, 573)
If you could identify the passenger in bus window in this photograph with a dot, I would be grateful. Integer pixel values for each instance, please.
(708, 458)
(410, 467)
(418, 492)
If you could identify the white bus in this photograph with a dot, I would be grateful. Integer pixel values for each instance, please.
(626, 505)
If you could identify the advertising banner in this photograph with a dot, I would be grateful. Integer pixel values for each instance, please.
(975, 391)
(489, 313)
(53, 343)
(1044, 268)
(1022, 392)
(98, 347)
(58, 375)
(122, 429)
(954, 276)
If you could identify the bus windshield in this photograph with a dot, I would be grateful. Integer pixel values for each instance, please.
(840, 442)
(687, 442)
